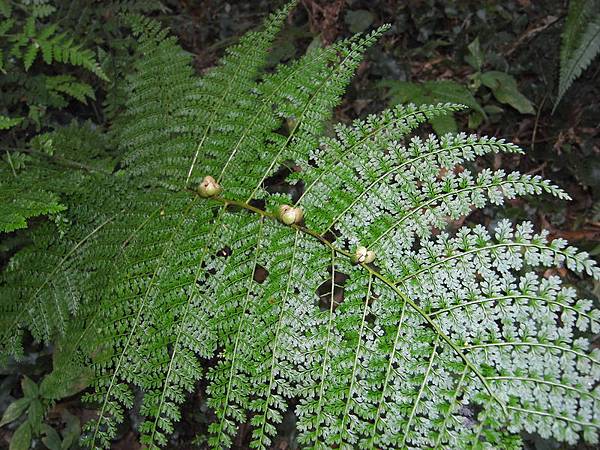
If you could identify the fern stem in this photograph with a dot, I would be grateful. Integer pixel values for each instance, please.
(199, 271)
(247, 206)
(273, 216)
(238, 334)
(12, 167)
(532, 344)
(421, 390)
(546, 382)
(513, 297)
(198, 148)
(327, 342)
(64, 161)
(134, 327)
(356, 355)
(554, 416)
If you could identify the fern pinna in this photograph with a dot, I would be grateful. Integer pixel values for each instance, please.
(580, 43)
(346, 302)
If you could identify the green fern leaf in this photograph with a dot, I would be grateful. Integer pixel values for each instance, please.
(432, 92)
(30, 55)
(50, 279)
(68, 85)
(580, 42)
(43, 10)
(44, 42)
(5, 26)
(18, 202)
(7, 123)
(441, 339)
(65, 51)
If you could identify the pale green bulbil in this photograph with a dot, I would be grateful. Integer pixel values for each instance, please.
(290, 215)
(209, 187)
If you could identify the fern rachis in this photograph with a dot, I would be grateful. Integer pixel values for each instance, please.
(385, 330)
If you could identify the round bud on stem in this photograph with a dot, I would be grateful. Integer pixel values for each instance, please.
(290, 215)
(299, 215)
(363, 256)
(209, 187)
(360, 255)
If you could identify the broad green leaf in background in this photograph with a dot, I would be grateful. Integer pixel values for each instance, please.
(70, 433)
(476, 56)
(35, 415)
(65, 381)
(30, 388)
(14, 410)
(21, 438)
(358, 21)
(432, 92)
(52, 438)
(504, 87)
(72, 429)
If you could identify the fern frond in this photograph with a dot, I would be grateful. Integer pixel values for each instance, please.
(368, 370)
(39, 292)
(54, 276)
(84, 143)
(58, 274)
(440, 340)
(54, 47)
(61, 48)
(310, 113)
(42, 10)
(145, 242)
(7, 123)
(166, 95)
(230, 83)
(399, 346)
(580, 42)
(19, 200)
(66, 84)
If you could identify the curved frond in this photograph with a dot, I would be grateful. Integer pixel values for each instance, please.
(442, 338)
(580, 42)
